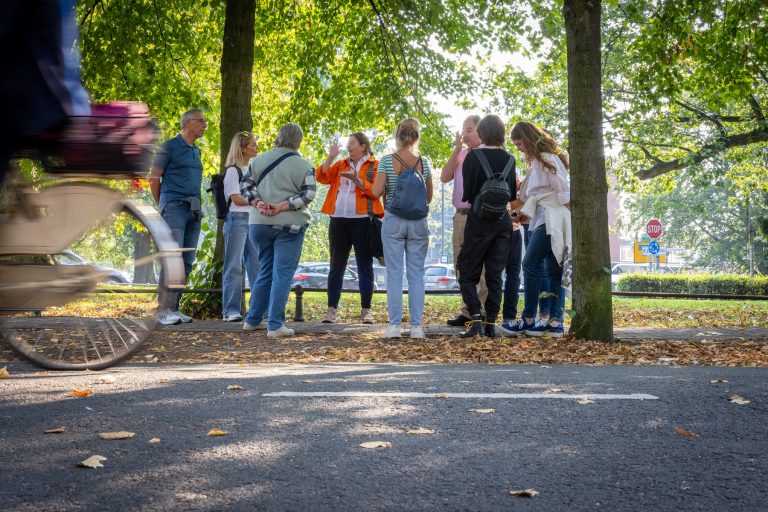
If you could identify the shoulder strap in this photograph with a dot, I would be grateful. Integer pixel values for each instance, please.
(483, 163)
(370, 179)
(239, 173)
(271, 166)
(406, 166)
(507, 168)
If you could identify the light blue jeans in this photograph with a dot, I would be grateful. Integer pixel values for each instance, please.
(410, 238)
(239, 253)
(185, 227)
(279, 253)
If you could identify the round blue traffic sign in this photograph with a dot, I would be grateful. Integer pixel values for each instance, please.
(654, 248)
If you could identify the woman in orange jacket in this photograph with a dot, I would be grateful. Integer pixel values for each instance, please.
(349, 203)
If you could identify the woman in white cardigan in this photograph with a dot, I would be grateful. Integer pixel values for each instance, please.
(545, 197)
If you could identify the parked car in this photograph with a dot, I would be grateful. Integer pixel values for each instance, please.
(315, 275)
(440, 276)
(70, 258)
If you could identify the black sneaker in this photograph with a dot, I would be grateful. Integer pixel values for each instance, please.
(474, 327)
(490, 331)
(459, 321)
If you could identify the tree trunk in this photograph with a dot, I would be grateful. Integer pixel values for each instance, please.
(589, 184)
(236, 89)
(143, 274)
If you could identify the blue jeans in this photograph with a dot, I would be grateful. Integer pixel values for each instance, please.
(545, 303)
(239, 252)
(279, 253)
(540, 250)
(410, 237)
(185, 227)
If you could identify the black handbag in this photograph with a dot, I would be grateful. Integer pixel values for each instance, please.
(373, 237)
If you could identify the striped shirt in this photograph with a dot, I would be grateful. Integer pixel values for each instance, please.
(385, 166)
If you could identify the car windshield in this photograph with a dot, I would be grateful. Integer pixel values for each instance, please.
(435, 271)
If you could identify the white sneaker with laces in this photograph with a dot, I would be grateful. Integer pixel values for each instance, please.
(235, 317)
(184, 318)
(417, 332)
(168, 318)
(331, 316)
(282, 332)
(393, 331)
(366, 316)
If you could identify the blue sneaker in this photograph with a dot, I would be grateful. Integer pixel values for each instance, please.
(514, 327)
(545, 329)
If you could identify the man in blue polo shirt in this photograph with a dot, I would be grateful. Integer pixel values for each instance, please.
(175, 180)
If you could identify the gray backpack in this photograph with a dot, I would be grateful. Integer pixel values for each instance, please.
(491, 202)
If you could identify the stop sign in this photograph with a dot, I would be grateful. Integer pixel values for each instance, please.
(654, 229)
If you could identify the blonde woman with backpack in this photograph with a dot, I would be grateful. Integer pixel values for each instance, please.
(405, 181)
(239, 251)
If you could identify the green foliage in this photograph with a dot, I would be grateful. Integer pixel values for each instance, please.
(204, 274)
(720, 284)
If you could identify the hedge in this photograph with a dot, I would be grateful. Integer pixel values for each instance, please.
(717, 284)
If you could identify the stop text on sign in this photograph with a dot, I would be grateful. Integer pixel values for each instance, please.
(654, 229)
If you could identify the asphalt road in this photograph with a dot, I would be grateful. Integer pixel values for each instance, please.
(302, 452)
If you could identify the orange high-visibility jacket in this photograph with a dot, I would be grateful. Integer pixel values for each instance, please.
(332, 176)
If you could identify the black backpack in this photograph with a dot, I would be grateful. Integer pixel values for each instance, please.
(220, 201)
(491, 202)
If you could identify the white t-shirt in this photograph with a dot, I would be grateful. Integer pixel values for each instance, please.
(232, 186)
(346, 200)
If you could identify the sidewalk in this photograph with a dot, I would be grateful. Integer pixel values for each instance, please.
(434, 330)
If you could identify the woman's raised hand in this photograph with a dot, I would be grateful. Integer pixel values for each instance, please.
(334, 149)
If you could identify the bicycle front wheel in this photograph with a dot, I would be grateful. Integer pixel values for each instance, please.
(92, 304)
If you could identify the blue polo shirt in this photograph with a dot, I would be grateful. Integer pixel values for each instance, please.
(183, 170)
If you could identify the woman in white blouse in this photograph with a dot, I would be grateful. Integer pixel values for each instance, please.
(545, 197)
(239, 250)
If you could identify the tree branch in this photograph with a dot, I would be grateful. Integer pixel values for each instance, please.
(758, 112)
(704, 115)
(706, 152)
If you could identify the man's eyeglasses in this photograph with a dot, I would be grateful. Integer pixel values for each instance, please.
(203, 121)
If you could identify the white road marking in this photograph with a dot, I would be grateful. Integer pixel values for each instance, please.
(402, 394)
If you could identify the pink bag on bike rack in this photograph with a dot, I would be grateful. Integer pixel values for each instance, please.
(118, 138)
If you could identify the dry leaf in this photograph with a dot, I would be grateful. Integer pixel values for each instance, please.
(441, 395)
(308, 381)
(4, 373)
(154, 440)
(59, 430)
(94, 461)
(421, 430)
(82, 393)
(111, 436)
(555, 390)
(685, 433)
(584, 401)
(525, 493)
(482, 411)
(719, 381)
(234, 387)
(215, 432)
(736, 399)
(107, 379)
(376, 444)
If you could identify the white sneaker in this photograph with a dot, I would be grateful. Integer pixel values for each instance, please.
(393, 331)
(366, 316)
(168, 318)
(184, 318)
(253, 327)
(331, 316)
(417, 331)
(235, 317)
(282, 332)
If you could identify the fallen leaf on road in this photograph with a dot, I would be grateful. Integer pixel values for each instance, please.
(685, 433)
(59, 430)
(482, 411)
(106, 379)
(376, 444)
(308, 381)
(719, 381)
(525, 493)
(190, 496)
(421, 430)
(555, 390)
(94, 461)
(81, 393)
(4, 373)
(736, 399)
(111, 436)
(154, 440)
(234, 387)
(215, 432)
(584, 401)
(441, 395)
